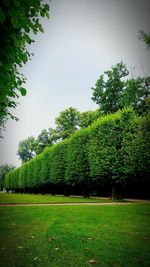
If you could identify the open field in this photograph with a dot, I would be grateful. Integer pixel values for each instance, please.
(6, 198)
(60, 236)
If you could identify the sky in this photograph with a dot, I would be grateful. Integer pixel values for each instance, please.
(81, 40)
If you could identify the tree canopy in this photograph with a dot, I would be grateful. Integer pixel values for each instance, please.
(109, 87)
(113, 92)
(145, 37)
(67, 122)
(26, 149)
(19, 20)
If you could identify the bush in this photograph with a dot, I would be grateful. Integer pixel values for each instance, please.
(110, 138)
(77, 171)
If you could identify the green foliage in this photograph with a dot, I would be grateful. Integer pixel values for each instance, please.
(110, 138)
(26, 150)
(145, 37)
(77, 172)
(108, 88)
(67, 122)
(112, 92)
(18, 21)
(88, 117)
(4, 169)
(136, 94)
(59, 162)
(44, 139)
(112, 151)
(141, 150)
(38, 171)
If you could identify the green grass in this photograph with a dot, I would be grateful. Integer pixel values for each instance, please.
(71, 236)
(31, 198)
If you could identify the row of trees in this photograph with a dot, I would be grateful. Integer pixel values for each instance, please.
(112, 152)
(4, 169)
(68, 121)
(111, 92)
(18, 22)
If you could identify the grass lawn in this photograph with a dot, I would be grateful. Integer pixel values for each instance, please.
(31, 198)
(71, 236)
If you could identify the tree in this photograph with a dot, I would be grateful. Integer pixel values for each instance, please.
(108, 88)
(110, 139)
(141, 150)
(77, 171)
(4, 169)
(26, 150)
(88, 117)
(18, 20)
(145, 37)
(44, 139)
(136, 94)
(112, 93)
(67, 122)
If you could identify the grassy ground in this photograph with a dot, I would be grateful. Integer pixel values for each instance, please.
(60, 236)
(30, 198)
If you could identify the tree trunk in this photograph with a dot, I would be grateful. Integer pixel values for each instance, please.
(114, 192)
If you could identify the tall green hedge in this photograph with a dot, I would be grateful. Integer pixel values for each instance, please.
(77, 171)
(113, 151)
(110, 138)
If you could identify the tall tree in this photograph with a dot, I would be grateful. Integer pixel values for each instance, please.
(18, 20)
(67, 122)
(45, 139)
(109, 87)
(27, 148)
(112, 92)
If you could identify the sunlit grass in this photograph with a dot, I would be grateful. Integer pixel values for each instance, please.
(116, 236)
(31, 198)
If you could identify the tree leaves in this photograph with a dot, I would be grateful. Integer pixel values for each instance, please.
(23, 91)
(17, 21)
(2, 16)
(113, 151)
(112, 92)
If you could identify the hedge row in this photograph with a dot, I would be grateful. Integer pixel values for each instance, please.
(113, 152)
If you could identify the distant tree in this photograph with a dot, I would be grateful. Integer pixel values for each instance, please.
(44, 139)
(145, 37)
(26, 150)
(18, 20)
(67, 122)
(4, 169)
(88, 117)
(109, 87)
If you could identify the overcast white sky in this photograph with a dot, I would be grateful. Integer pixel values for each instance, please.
(81, 40)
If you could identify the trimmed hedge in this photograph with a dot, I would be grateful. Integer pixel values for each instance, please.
(110, 138)
(111, 152)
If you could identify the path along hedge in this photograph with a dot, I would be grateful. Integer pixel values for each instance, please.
(112, 152)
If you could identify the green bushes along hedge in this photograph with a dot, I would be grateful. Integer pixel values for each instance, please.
(112, 152)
